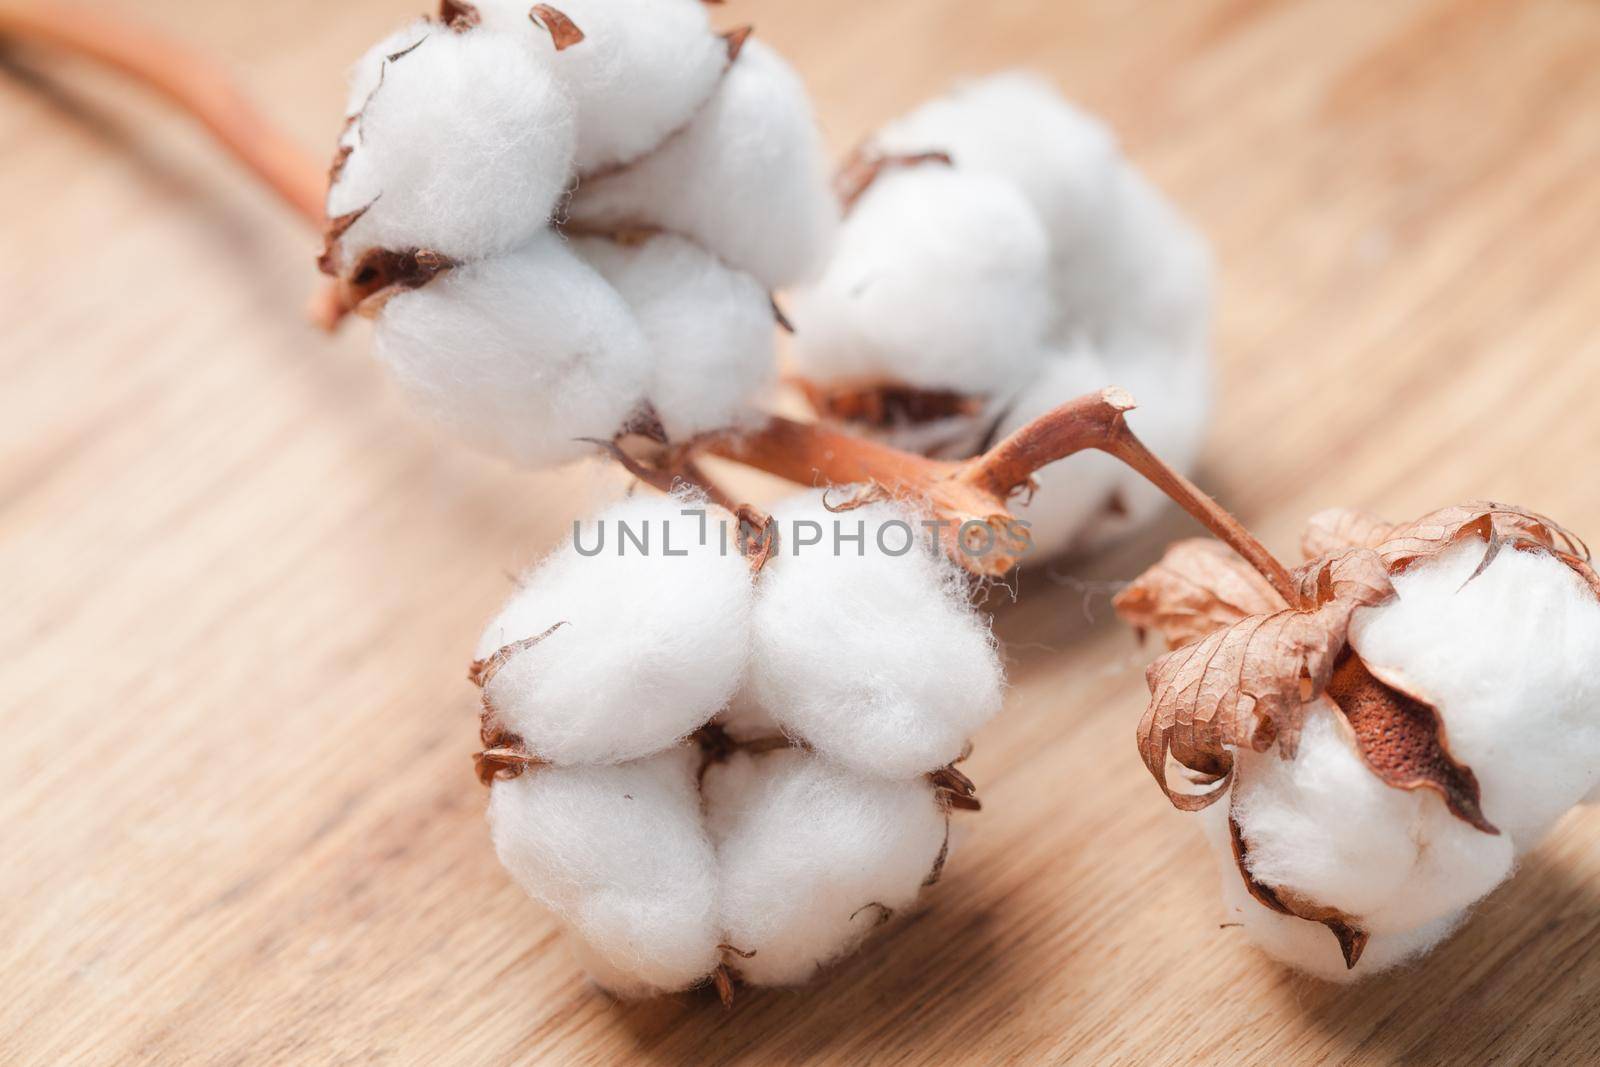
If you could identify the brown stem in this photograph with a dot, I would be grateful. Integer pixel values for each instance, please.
(1099, 422)
(186, 78)
(980, 489)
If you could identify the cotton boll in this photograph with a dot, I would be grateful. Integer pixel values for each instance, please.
(621, 857)
(710, 328)
(1151, 287)
(938, 280)
(1090, 499)
(461, 147)
(1127, 269)
(1326, 828)
(1507, 659)
(878, 661)
(1308, 946)
(642, 70)
(522, 354)
(1323, 828)
(1015, 126)
(811, 856)
(747, 178)
(648, 645)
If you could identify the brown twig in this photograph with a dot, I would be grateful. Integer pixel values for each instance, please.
(980, 490)
(186, 78)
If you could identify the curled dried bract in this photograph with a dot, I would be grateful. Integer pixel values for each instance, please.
(564, 33)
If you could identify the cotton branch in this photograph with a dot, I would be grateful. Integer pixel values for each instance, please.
(187, 79)
(980, 489)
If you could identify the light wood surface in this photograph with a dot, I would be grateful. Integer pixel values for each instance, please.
(239, 583)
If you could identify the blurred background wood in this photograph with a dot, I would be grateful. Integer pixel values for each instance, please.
(241, 583)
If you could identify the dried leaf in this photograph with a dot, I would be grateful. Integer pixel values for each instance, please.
(1246, 685)
(1198, 587)
(864, 166)
(564, 33)
(1346, 929)
(887, 405)
(1401, 737)
(735, 39)
(459, 15)
(1485, 520)
(1357, 577)
(1340, 529)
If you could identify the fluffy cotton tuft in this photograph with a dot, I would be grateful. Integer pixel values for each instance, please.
(710, 329)
(458, 144)
(642, 70)
(1508, 658)
(878, 661)
(812, 857)
(620, 855)
(939, 278)
(523, 354)
(1505, 658)
(747, 178)
(650, 645)
(1127, 294)
(1127, 268)
(1308, 946)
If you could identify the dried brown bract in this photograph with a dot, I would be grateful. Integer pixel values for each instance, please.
(458, 15)
(564, 33)
(887, 405)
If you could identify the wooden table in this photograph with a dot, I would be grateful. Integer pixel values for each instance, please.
(240, 583)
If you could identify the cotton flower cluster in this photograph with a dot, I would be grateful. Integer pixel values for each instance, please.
(1003, 258)
(1461, 723)
(712, 762)
(567, 223)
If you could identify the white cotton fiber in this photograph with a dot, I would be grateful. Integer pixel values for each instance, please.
(1127, 269)
(1310, 946)
(651, 644)
(1326, 828)
(1090, 499)
(878, 661)
(812, 857)
(747, 178)
(710, 329)
(461, 147)
(938, 280)
(1016, 127)
(642, 70)
(620, 855)
(1509, 660)
(522, 354)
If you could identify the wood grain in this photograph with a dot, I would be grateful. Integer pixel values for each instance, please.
(240, 582)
